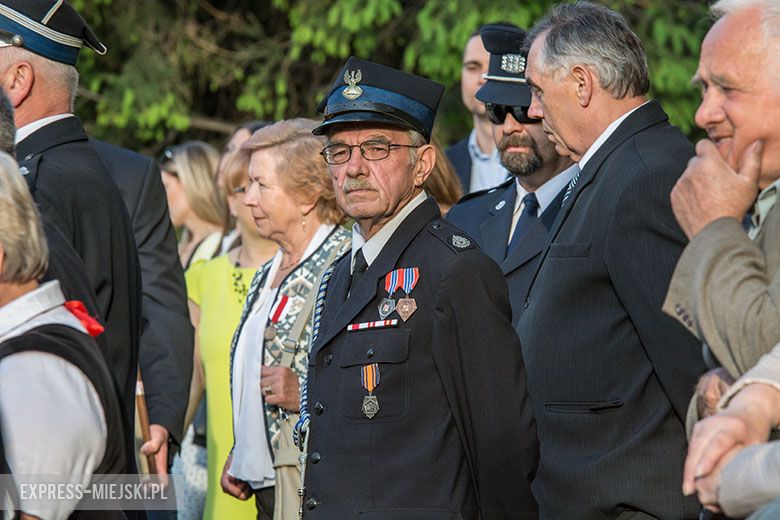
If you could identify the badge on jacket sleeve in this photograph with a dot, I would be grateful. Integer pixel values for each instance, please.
(369, 378)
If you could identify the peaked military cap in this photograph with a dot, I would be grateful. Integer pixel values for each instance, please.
(367, 92)
(49, 28)
(505, 83)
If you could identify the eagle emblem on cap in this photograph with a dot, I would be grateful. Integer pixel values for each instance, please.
(513, 63)
(352, 78)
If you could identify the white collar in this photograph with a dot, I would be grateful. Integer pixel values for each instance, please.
(374, 245)
(26, 130)
(606, 134)
(29, 305)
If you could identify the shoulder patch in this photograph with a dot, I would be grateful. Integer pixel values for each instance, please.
(452, 236)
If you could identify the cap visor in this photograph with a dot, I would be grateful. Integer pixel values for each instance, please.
(505, 93)
(361, 118)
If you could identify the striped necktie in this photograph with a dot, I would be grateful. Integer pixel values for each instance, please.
(571, 186)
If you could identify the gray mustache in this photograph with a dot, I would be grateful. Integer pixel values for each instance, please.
(356, 184)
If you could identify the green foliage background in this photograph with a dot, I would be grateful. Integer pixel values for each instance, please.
(182, 69)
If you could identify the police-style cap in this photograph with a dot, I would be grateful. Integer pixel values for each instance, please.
(367, 92)
(50, 28)
(505, 83)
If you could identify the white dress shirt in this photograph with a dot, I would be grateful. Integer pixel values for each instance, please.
(26, 130)
(51, 418)
(486, 168)
(376, 243)
(606, 134)
(544, 195)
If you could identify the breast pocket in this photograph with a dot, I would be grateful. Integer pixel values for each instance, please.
(571, 250)
(378, 360)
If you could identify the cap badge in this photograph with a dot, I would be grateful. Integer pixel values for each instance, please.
(513, 63)
(460, 242)
(352, 78)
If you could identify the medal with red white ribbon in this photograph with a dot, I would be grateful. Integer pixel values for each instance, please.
(407, 306)
(369, 378)
(392, 282)
(278, 311)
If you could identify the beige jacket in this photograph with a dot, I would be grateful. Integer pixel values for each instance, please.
(752, 478)
(726, 291)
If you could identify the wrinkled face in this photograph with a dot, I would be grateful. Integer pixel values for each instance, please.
(178, 205)
(554, 100)
(475, 63)
(741, 90)
(523, 147)
(374, 190)
(275, 212)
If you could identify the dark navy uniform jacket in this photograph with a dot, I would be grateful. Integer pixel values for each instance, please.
(72, 187)
(453, 438)
(487, 216)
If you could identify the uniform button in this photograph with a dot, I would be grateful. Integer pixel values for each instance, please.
(318, 408)
(436, 225)
(526, 302)
(370, 352)
(678, 309)
(329, 359)
(315, 457)
(312, 503)
(28, 157)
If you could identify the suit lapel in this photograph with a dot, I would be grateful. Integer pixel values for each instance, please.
(534, 241)
(643, 117)
(365, 291)
(495, 229)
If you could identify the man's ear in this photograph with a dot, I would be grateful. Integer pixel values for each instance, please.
(17, 81)
(426, 160)
(585, 83)
(2, 259)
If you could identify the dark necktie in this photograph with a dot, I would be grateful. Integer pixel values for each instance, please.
(358, 270)
(526, 220)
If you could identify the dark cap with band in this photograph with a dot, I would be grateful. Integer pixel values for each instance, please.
(367, 92)
(505, 83)
(49, 28)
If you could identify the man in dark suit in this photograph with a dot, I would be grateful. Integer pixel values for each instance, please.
(610, 374)
(416, 381)
(474, 157)
(510, 223)
(165, 351)
(40, 44)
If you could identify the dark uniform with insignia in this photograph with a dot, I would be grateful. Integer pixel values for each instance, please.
(487, 215)
(423, 414)
(72, 187)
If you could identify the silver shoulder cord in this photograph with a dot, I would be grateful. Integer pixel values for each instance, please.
(301, 430)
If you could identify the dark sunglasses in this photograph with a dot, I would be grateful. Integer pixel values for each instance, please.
(497, 113)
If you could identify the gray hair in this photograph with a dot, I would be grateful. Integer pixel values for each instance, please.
(415, 139)
(584, 33)
(7, 125)
(61, 75)
(770, 21)
(21, 233)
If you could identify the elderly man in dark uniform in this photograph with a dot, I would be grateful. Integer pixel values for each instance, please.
(511, 222)
(39, 44)
(416, 382)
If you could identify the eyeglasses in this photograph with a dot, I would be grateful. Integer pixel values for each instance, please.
(370, 150)
(497, 113)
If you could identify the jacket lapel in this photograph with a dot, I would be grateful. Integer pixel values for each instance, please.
(643, 117)
(495, 229)
(365, 291)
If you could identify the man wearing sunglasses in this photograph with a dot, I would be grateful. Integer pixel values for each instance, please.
(511, 221)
